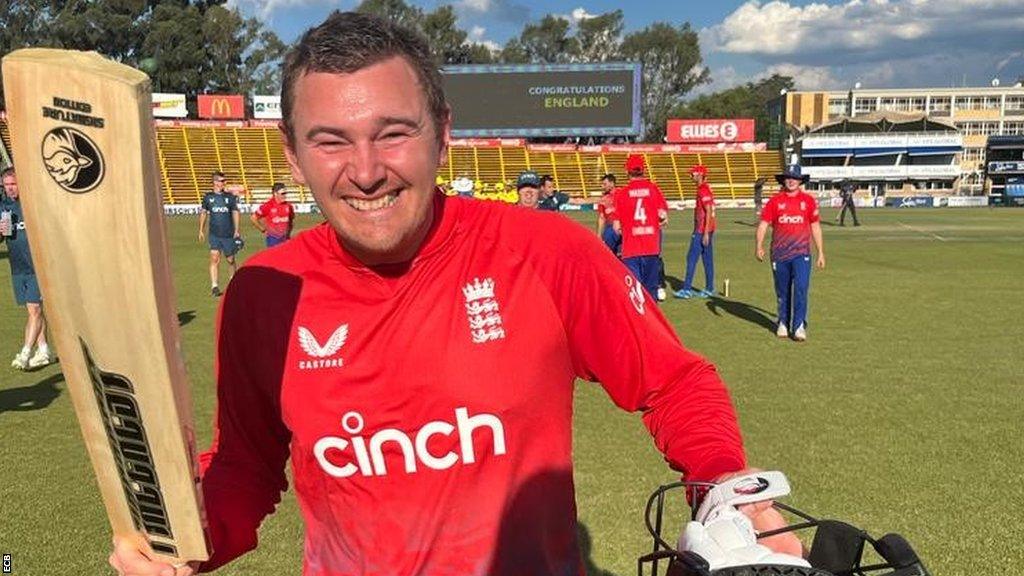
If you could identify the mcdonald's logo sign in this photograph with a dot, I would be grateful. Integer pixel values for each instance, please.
(221, 106)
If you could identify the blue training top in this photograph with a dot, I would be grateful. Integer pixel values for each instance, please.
(18, 253)
(220, 206)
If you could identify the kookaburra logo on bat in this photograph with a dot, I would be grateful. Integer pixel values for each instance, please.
(72, 160)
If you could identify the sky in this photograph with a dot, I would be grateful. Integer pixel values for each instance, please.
(825, 45)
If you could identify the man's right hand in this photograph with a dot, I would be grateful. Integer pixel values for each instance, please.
(760, 254)
(129, 560)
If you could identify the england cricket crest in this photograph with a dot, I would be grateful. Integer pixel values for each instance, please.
(482, 311)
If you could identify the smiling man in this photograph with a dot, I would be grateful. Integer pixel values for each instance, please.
(414, 357)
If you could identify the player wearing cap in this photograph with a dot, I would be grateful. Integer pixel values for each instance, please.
(606, 215)
(275, 217)
(642, 211)
(702, 239)
(528, 186)
(794, 218)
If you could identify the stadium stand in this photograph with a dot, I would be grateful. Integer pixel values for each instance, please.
(253, 157)
(5, 135)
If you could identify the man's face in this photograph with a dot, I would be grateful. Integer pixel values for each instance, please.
(366, 146)
(11, 186)
(607, 185)
(697, 177)
(219, 183)
(791, 184)
(280, 195)
(528, 196)
(547, 188)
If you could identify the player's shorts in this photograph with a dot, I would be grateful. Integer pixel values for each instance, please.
(225, 246)
(275, 240)
(26, 289)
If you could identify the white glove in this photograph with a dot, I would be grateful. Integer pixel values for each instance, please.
(729, 540)
(723, 535)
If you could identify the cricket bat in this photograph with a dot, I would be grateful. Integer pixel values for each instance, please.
(85, 154)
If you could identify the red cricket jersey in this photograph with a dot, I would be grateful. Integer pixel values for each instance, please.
(277, 217)
(606, 207)
(705, 203)
(791, 216)
(426, 407)
(637, 205)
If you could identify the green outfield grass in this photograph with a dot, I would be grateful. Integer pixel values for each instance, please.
(901, 413)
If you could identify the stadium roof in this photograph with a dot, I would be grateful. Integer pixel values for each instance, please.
(884, 121)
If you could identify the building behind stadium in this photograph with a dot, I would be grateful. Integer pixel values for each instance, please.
(913, 121)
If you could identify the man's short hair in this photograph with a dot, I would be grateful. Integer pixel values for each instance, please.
(7, 172)
(218, 175)
(609, 177)
(545, 179)
(278, 186)
(347, 42)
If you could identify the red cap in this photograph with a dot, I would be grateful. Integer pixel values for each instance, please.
(634, 162)
(699, 169)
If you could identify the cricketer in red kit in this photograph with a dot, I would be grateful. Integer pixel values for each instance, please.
(606, 215)
(795, 221)
(275, 217)
(641, 210)
(702, 241)
(414, 357)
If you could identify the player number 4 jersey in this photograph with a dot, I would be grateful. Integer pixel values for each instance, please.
(640, 207)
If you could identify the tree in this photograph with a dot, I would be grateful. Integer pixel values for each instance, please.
(514, 53)
(24, 23)
(446, 40)
(176, 42)
(396, 11)
(475, 53)
(599, 37)
(548, 41)
(114, 28)
(194, 45)
(672, 66)
(242, 56)
(749, 100)
(448, 43)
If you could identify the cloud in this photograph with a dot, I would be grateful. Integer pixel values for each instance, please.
(476, 36)
(866, 30)
(581, 14)
(878, 42)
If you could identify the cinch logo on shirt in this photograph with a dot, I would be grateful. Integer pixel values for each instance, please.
(366, 457)
(218, 209)
(320, 356)
(787, 219)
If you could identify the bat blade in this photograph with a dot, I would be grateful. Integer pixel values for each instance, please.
(84, 150)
